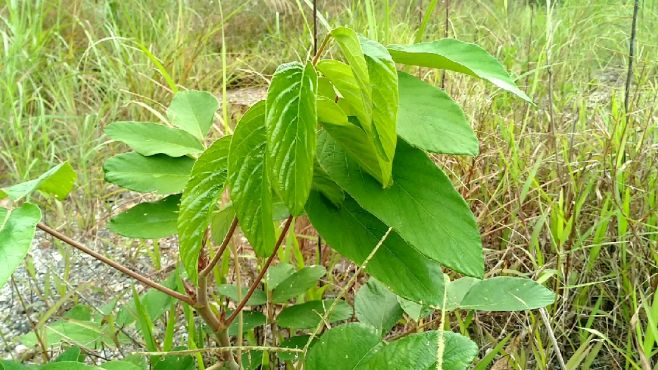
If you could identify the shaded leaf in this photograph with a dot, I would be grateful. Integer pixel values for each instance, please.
(71, 354)
(354, 232)
(506, 293)
(377, 306)
(220, 223)
(68, 365)
(353, 139)
(278, 273)
(309, 314)
(155, 303)
(85, 334)
(229, 290)
(202, 191)
(429, 119)
(249, 182)
(17, 228)
(419, 351)
(298, 342)
(422, 205)
(149, 220)
(342, 347)
(457, 56)
(193, 112)
(415, 310)
(291, 119)
(57, 181)
(175, 363)
(152, 138)
(159, 173)
(250, 320)
(297, 283)
(120, 365)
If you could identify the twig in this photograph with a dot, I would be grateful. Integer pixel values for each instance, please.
(262, 272)
(320, 50)
(44, 350)
(551, 336)
(221, 250)
(116, 265)
(631, 55)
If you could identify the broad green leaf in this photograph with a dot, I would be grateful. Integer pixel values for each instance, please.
(377, 306)
(457, 56)
(250, 320)
(202, 191)
(429, 119)
(229, 290)
(309, 314)
(506, 293)
(120, 365)
(68, 365)
(57, 181)
(419, 351)
(71, 354)
(220, 223)
(149, 220)
(158, 174)
(422, 205)
(354, 232)
(328, 188)
(85, 334)
(298, 342)
(155, 303)
(291, 139)
(152, 138)
(297, 283)
(175, 363)
(193, 112)
(342, 347)
(17, 229)
(385, 98)
(278, 273)
(354, 140)
(416, 311)
(350, 46)
(456, 290)
(249, 182)
(13, 365)
(342, 77)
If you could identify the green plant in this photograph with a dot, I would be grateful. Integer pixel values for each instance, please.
(326, 144)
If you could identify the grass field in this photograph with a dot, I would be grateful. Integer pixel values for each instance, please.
(565, 191)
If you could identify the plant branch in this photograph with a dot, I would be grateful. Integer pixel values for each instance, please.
(317, 55)
(116, 265)
(256, 281)
(221, 250)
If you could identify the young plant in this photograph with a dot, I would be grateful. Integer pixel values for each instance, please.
(344, 143)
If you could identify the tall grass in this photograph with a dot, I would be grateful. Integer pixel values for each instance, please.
(573, 205)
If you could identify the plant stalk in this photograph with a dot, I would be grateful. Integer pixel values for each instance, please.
(116, 265)
(262, 272)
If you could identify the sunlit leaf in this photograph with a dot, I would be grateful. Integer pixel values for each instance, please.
(150, 220)
(193, 112)
(17, 228)
(152, 138)
(291, 119)
(158, 174)
(57, 181)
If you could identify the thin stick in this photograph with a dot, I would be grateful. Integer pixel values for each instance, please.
(315, 27)
(262, 272)
(117, 266)
(551, 336)
(44, 350)
(317, 55)
(221, 250)
(631, 55)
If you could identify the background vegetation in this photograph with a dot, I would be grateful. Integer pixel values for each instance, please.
(564, 192)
